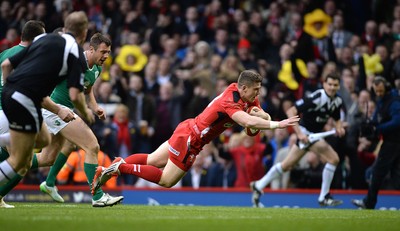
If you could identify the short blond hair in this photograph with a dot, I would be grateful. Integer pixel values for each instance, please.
(76, 23)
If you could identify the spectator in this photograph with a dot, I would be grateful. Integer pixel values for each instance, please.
(126, 137)
(385, 122)
(245, 57)
(168, 114)
(141, 114)
(340, 36)
(11, 39)
(220, 45)
(248, 158)
(370, 34)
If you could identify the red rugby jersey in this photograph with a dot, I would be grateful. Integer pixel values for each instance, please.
(217, 116)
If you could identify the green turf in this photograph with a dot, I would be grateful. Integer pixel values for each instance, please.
(74, 217)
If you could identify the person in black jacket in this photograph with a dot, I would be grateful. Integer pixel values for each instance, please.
(33, 79)
(385, 123)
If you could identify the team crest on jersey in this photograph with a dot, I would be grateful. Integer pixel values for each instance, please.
(57, 123)
(96, 74)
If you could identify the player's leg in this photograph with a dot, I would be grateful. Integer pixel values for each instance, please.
(78, 133)
(295, 154)
(322, 148)
(19, 161)
(59, 162)
(49, 153)
(4, 128)
(5, 189)
(149, 171)
(176, 156)
(43, 138)
(167, 177)
(277, 170)
(51, 156)
(383, 165)
(171, 175)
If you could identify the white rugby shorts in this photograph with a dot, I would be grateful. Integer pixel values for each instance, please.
(4, 126)
(54, 123)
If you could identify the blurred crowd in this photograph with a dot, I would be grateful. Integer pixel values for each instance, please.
(169, 59)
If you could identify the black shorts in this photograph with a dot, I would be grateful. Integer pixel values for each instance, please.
(22, 112)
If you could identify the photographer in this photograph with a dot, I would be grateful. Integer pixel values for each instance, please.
(385, 123)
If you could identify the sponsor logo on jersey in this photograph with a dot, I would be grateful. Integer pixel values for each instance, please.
(228, 125)
(175, 152)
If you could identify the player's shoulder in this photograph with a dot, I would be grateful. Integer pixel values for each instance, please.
(317, 94)
(231, 93)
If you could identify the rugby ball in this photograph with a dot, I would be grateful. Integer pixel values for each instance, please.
(251, 131)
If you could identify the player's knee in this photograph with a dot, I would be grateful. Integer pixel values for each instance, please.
(93, 147)
(166, 184)
(23, 167)
(334, 160)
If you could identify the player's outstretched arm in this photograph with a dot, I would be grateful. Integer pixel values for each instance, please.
(246, 120)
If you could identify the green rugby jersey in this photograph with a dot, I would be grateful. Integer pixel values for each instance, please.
(60, 94)
(3, 56)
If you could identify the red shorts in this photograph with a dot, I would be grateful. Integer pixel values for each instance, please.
(184, 146)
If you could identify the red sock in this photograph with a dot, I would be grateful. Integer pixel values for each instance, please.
(146, 172)
(138, 158)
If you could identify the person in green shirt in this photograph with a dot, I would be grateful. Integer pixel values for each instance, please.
(66, 135)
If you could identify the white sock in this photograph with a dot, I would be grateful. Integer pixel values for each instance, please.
(327, 177)
(6, 172)
(272, 174)
(4, 139)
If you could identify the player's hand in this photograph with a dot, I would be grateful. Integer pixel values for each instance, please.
(255, 111)
(66, 114)
(303, 138)
(266, 116)
(100, 113)
(340, 132)
(291, 121)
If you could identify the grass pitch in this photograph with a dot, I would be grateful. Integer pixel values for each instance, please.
(74, 217)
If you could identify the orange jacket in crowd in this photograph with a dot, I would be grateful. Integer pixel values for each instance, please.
(75, 167)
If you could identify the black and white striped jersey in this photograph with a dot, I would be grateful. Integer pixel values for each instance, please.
(50, 59)
(316, 109)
